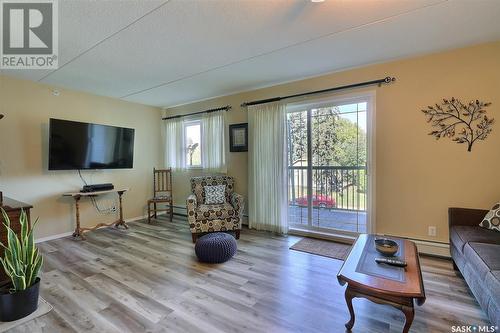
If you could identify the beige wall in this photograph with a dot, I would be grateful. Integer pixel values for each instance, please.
(23, 152)
(417, 178)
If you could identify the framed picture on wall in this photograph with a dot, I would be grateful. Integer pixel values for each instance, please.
(238, 137)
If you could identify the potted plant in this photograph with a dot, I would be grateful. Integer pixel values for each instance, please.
(1, 194)
(21, 262)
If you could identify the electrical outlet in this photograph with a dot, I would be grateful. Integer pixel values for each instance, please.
(432, 231)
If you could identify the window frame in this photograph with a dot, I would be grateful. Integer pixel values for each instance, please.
(368, 96)
(186, 123)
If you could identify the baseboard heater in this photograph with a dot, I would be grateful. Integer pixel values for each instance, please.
(433, 248)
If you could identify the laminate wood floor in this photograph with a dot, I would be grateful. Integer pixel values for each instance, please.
(147, 279)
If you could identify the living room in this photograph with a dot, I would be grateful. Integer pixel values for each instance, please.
(165, 157)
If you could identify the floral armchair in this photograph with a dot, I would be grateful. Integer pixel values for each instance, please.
(203, 218)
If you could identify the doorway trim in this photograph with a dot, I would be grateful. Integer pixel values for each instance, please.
(336, 99)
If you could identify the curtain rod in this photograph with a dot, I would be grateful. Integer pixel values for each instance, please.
(224, 108)
(387, 79)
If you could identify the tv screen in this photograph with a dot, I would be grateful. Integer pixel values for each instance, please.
(74, 145)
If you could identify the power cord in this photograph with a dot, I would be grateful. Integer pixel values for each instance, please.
(81, 177)
(110, 210)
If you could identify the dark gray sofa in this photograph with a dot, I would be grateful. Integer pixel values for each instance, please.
(476, 253)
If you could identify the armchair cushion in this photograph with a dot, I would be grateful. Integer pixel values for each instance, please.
(215, 194)
(215, 212)
(198, 184)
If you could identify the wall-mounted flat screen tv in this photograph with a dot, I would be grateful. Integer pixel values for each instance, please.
(76, 146)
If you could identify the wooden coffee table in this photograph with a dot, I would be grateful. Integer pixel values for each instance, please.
(381, 283)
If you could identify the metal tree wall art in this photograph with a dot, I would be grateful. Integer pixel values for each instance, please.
(462, 123)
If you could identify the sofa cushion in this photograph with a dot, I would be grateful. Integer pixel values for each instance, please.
(476, 285)
(483, 258)
(462, 234)
(458, 257)
(493, 312)
(492, 284)
(492, 219)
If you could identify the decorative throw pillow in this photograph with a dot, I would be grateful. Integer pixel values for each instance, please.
(215, 194)
(492, 219)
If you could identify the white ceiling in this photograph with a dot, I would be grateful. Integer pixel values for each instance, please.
(166, 53)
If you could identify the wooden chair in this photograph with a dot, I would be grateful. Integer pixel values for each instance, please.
(162, 193)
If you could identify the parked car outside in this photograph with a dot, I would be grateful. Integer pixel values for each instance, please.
(321, 201)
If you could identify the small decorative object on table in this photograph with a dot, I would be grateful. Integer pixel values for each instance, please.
(462, 123)
(238, 137)
(22, 262)
(386, 246)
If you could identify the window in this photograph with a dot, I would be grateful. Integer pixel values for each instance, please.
(192, 143)
(195, 142)
(328, 155)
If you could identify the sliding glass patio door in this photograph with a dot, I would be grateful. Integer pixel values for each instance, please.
(328, 176)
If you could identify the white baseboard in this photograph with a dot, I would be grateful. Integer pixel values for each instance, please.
(341, 238)
(424, 247)
(49, 238)
(69, 233)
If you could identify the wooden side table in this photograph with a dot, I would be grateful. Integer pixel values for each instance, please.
(79, 231)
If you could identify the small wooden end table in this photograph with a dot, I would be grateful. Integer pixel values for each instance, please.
(379, 289)
(79, 231)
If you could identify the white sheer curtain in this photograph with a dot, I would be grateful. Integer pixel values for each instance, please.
(174, 144)
(267, 168)
(213, 149)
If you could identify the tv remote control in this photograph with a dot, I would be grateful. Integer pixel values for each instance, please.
(392, 262)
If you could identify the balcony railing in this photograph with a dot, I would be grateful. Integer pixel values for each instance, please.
(333, 187)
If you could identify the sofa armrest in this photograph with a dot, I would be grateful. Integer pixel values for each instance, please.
(238, 203)
(465, 216)
(191, 205)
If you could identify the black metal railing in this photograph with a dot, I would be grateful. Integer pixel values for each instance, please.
(334, 187)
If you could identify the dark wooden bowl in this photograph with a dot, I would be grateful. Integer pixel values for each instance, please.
(386, 246)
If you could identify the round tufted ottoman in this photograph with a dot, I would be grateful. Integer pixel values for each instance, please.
(215, 247)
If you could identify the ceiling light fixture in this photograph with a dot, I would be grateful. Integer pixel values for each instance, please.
(317, 1)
